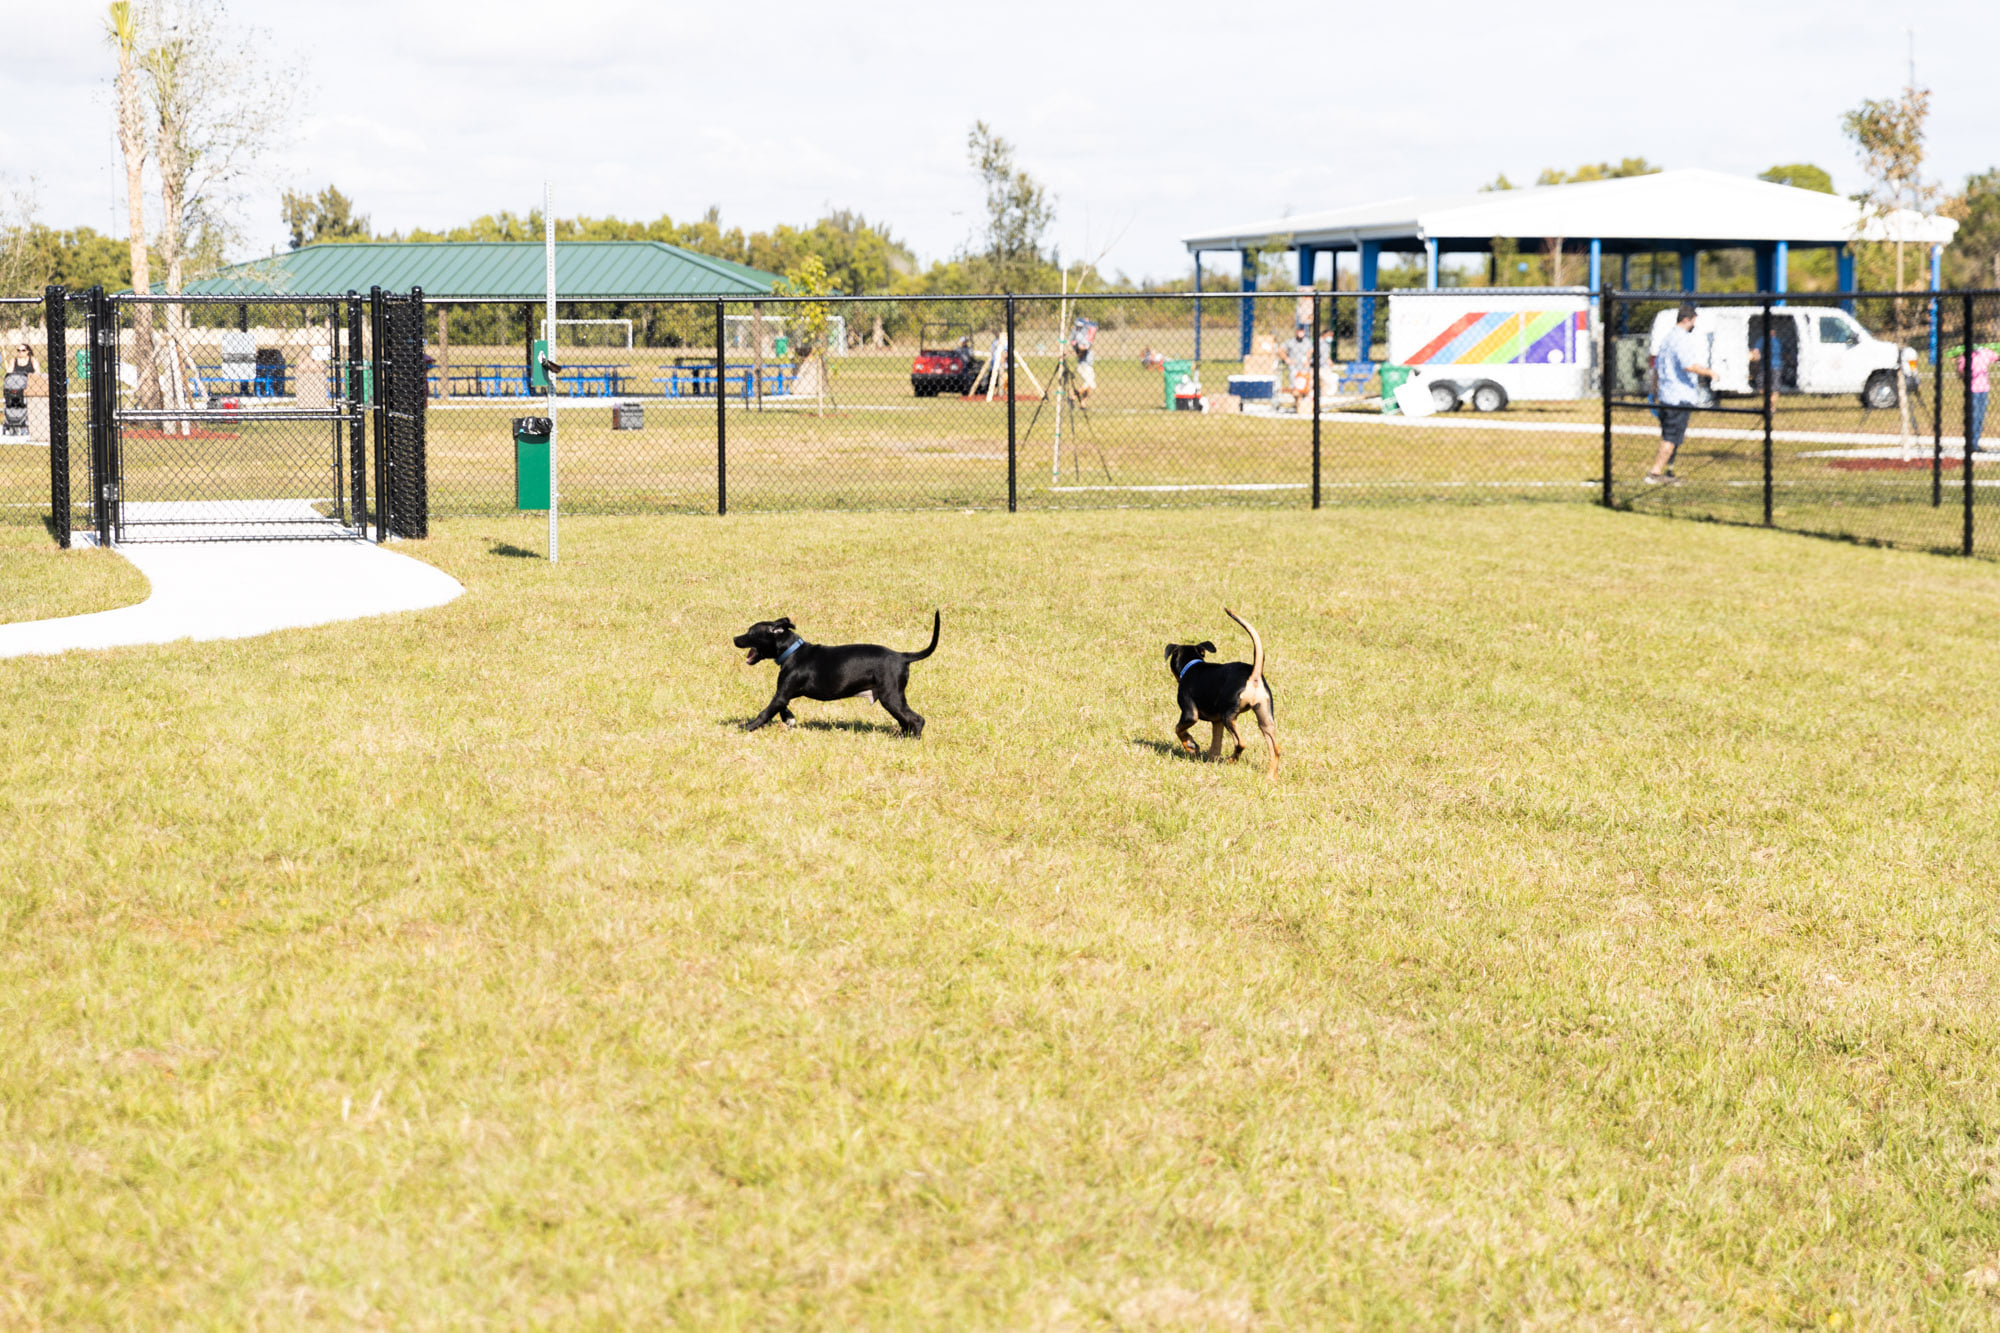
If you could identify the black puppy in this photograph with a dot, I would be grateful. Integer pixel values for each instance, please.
(837, 671)
(1215, 692)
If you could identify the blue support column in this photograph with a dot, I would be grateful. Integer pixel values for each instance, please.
(1308, 264)
(1431, 263)
(1843, 262)
(1780, 268)
(1689, 275)
(1197, 313)
(1937, 283)
(1764, 257)
(1247, 321)
(1371, 265)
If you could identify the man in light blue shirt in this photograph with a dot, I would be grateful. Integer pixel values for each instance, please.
(1678, 373)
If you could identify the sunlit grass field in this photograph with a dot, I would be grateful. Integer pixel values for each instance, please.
(1616, 948)
(37, 581)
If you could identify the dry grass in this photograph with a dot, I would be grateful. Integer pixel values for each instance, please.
(1616, 950)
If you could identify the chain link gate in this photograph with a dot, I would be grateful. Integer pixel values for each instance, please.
(401, 403)
(228, 417)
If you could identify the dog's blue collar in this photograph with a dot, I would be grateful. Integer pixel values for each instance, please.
(796, 644)
(1189, 667)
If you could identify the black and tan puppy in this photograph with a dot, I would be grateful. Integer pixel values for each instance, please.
(833, 671)
(1215, 692)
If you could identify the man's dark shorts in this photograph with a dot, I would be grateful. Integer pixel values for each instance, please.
(1674, 424)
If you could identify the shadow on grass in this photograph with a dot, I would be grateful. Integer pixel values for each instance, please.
(516, 552)
(1165, 748)
(821, 724)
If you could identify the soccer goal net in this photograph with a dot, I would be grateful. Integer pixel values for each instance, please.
(740, 333)
(594, 333)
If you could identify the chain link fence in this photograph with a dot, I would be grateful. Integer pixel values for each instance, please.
(980, 402)
(1832, 414)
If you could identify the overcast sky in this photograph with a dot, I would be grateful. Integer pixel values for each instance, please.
(1145, 121)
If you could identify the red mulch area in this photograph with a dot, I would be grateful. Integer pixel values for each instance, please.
(1887, 464)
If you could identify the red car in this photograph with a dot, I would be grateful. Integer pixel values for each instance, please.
(945, 362)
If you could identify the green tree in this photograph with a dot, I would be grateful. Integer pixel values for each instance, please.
(1018, 214)
(1889, 136)
(33, 256)
(1800, 176)
(325, 217)
(1973, 259)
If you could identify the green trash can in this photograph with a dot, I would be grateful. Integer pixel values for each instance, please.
(531, 462)
(1172, 373)
(1393, 378)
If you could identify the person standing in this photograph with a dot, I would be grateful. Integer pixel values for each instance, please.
(1982, 379)
(1679, 371)
(1081, 341)
(1297, 356)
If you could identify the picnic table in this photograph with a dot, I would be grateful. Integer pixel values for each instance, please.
(694, 379)
(262, 381)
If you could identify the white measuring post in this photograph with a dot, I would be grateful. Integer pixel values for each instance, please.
(549, 342)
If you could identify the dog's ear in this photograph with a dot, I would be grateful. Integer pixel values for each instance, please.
(1204, 647)
(783, 622)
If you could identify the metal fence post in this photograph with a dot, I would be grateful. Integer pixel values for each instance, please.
(1965, 447)
(417, 482)
(385, 497)
(357, 431)
(1937, 419)
(721, 422)
(55, 320)
(1012, 458)
(1315, 398)
(103, 474)
(1770, 398)
(1604, 385)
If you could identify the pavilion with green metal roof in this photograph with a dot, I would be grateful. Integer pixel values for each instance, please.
(490, 270)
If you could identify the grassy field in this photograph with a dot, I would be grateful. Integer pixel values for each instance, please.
(38, 581)
(1616, 948)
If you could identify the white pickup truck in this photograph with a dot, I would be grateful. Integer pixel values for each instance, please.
(1819, 349)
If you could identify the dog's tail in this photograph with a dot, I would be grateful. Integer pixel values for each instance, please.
(1256, 645)
(937, 622)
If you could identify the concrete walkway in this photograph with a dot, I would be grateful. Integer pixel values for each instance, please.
(239, 589)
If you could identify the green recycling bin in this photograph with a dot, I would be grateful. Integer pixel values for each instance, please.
(1172, 373)
(1393, 378)
(531, 462)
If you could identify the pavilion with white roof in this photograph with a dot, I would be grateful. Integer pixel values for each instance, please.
(1683, 212)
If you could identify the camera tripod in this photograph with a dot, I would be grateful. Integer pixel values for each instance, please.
(1062, 387)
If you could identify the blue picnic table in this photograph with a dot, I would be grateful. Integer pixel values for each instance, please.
(695, 380)
(262, 381)
(511, 381)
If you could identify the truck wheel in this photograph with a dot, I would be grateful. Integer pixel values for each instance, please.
(1444, 395)
(1488, 397)
(1880, 391)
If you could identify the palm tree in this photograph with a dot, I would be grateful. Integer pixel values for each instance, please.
(122, 26)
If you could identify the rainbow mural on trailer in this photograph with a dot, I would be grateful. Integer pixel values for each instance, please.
(1506, 337)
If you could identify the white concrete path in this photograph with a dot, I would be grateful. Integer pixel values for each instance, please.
(239, 589)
